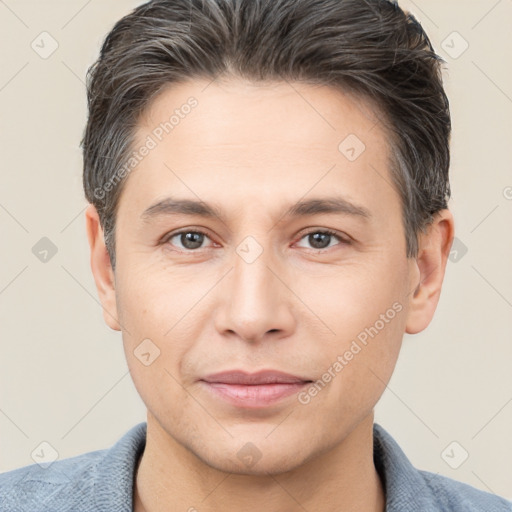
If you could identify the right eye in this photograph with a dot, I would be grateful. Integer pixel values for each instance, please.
(189, 239)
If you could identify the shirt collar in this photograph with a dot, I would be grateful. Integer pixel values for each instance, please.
(405, 488)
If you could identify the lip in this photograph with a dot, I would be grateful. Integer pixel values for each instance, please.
(260, 377)
(253, 390)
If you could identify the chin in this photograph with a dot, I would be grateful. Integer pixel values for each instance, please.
(260, 458)
(263, 468)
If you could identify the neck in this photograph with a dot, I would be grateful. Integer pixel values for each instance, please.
(170, 477)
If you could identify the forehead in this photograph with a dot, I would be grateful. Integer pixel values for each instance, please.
(232, 139)
(230, 111)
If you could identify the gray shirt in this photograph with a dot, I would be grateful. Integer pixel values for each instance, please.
(102, 481)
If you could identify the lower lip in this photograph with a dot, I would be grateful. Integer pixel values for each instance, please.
(254, 396)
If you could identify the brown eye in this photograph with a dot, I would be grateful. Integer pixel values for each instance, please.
(321, 239)
(189, 240)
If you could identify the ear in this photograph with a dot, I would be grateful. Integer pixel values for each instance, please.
(430, 264)
(101, 267)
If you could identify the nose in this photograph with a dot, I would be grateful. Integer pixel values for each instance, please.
(257, 302)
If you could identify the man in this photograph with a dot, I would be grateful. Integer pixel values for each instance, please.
(268, 183)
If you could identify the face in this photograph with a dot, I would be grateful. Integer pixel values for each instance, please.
(271, 279)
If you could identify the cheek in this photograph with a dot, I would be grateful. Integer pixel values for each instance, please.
(162, 311)
(363, 312)
(357, 372)
(153, 299)
(153, 341)
(149, 309)
(353, 296)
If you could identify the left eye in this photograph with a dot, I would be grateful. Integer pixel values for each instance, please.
(321, 239)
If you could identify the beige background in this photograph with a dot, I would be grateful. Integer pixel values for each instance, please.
(63, 376)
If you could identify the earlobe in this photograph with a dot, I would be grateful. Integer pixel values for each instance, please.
(102, 268)
(430, 263)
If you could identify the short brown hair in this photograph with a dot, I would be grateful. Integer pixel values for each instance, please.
(368, 47)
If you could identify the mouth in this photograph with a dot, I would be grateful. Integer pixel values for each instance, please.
(253, 390)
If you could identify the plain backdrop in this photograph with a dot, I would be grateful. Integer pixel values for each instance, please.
(63, 375)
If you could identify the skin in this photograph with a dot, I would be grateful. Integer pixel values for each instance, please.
(253, 151)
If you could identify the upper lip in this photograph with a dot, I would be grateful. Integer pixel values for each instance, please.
(260, 377)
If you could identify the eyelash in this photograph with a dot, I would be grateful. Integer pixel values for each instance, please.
(343, 240)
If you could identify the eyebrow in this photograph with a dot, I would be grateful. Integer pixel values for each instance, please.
(173, 206)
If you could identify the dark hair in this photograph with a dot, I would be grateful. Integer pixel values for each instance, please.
(367, 47)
